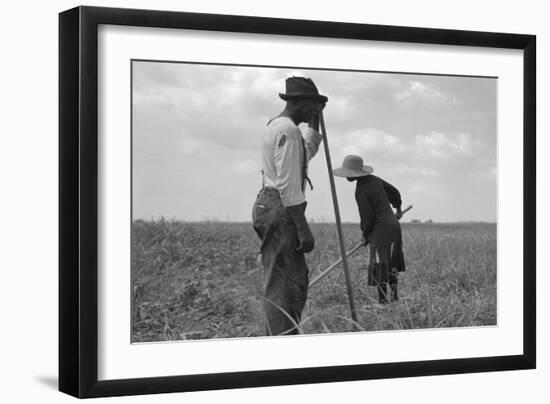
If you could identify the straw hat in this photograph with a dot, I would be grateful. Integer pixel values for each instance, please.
(300, 88)
(353, 167)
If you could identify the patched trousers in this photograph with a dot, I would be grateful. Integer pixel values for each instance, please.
(285, 270)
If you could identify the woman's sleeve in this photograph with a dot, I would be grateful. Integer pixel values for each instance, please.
(365, 213)
(393, 194)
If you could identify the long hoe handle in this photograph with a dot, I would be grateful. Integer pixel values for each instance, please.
(327, 271)
(350, 252)
(337, 215)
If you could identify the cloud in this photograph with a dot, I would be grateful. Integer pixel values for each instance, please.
(190, 147)
(417, 187)
(338, 105)
(227, 106)
(441, 145)
(486, 173)
(415, 91)
(139, 98)
(152, 75)
(237, 85)
(417, 171)
(246, 166)
(365, 141)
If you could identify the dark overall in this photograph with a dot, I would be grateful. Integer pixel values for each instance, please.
(285, 270)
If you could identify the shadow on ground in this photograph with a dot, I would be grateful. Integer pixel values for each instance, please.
(48, 381)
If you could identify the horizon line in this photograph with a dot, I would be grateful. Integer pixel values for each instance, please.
(429, 221)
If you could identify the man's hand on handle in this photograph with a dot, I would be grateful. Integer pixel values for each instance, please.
(306, 241)
(314, 122)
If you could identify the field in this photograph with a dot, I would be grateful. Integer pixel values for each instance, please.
(201, 280)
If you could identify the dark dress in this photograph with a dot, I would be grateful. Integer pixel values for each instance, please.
(381, 229)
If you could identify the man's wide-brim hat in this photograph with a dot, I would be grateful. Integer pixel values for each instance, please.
(301, 88)
(353, 167)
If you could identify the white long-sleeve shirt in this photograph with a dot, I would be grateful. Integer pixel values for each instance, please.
(283, 158)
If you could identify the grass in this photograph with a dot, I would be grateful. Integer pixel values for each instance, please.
(202, 280)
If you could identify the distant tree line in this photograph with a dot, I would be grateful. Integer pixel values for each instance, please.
(416, 221)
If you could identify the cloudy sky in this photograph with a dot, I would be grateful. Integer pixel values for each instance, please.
(196, 140)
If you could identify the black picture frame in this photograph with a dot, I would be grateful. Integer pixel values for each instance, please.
(78, 200)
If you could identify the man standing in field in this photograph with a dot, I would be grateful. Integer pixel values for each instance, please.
(279, 211)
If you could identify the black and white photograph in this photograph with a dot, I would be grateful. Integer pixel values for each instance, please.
(275, 201)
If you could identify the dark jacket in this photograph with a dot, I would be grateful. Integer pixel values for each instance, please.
(378, 222)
